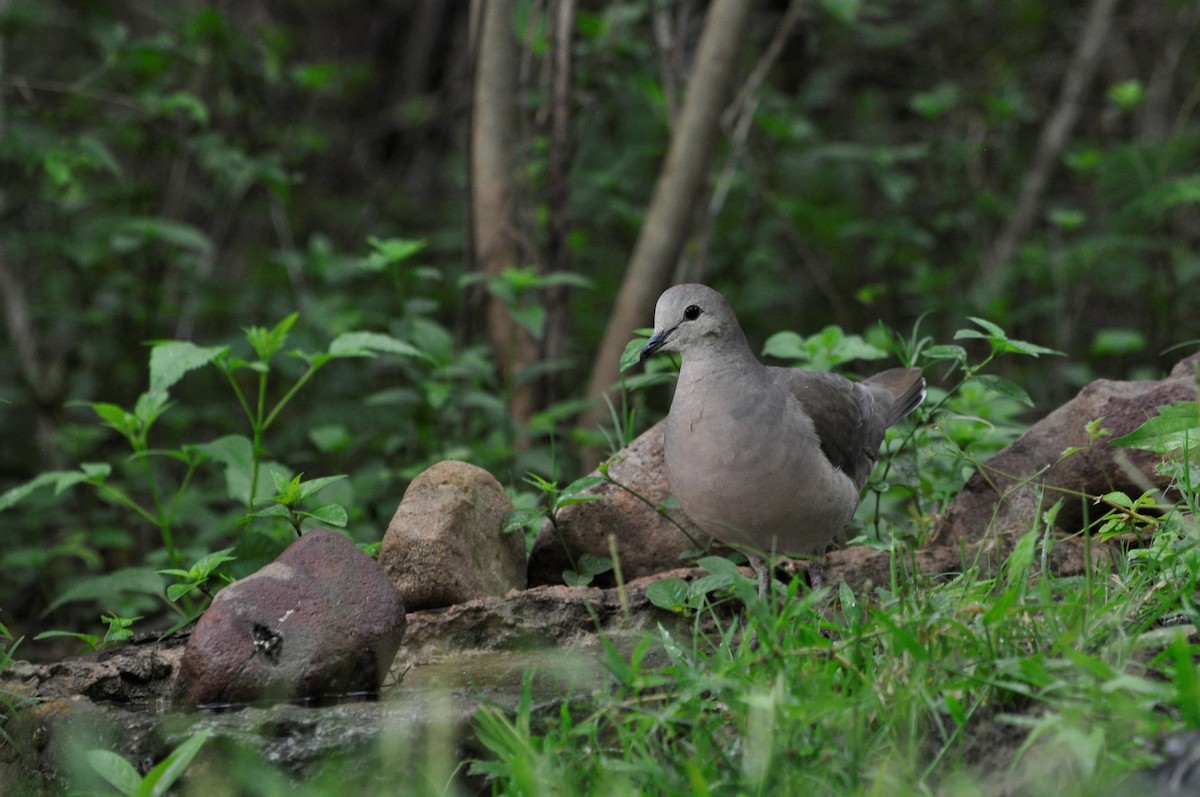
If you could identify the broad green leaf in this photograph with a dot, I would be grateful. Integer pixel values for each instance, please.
(177, 591)
(532, 317)
(273, 511)
(520, 519)
(61, 479)
(236, 453)
(333, 514)
(103, 588)
(136, 232)
(367, 344)
(1176, 427)
(390, 251)
(148, 409)
(311, 486)
(116, 770)
(713, 582)
(633, 349)
(171, 359)
(668, 593)
(589, 566)
(719, 565)
(210, 562)
(945, 352)
(786, 345)
(1005, 387)
(116, 418)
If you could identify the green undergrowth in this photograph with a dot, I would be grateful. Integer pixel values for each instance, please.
(1022, 683)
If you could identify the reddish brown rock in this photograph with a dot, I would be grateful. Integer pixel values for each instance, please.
(322, 619)
(446, 544)
(1006, 497)
(647, 543)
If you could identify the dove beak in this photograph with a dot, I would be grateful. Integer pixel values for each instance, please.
(656, 342)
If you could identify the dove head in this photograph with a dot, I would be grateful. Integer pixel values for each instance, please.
(691, 319)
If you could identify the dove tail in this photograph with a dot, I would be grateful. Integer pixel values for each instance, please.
(901, 390)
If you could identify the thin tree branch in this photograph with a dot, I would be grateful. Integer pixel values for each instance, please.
(1053, 138)
(740, 117)
(680, 183)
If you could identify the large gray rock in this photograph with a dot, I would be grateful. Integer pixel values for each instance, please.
(1007, 495)
(446, 544)
(647, 542)
(322, 619)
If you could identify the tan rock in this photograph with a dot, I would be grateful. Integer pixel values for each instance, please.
(445, 544)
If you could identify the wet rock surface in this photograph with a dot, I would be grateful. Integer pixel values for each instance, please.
(322, 618)
(446, 545)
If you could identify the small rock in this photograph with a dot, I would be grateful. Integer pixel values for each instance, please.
(647, 543)
(1005, 498)
(322, 619)
(446, 544)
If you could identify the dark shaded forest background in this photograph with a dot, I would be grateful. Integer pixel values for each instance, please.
(186, 170)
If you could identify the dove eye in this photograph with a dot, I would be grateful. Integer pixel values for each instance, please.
(692, 312)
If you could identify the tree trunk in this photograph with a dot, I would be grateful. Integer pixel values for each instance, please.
(558, 169)
(494, 139)
(681, 184)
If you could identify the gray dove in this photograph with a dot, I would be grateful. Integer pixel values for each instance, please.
(770, 460)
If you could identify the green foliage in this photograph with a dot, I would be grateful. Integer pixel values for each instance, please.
(118, 631)
(155, 783)
(243, 458)
(198, 574)
(889, 689)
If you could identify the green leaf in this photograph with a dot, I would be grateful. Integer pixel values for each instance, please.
(999, 340)
(1005, 387)
(136, 580)
(236, 453)
(719, 565)
(532, 317)
(786, 345)
(177, 591)
(519, 519)
(945, 352)
(311, 486)
(668, 593)
(268, 342)
(170, 360)
(1177, 426)
(160, 779)
(366, 344)
(116, 770)
(135, 233)
(390, 251)
(287, 490)
(1118, 341)
(116, 418)
(333, 514)
(148, 409)
(632, 354)
(273, 511)
(187, 102)
(61, 479)
(589, 566)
